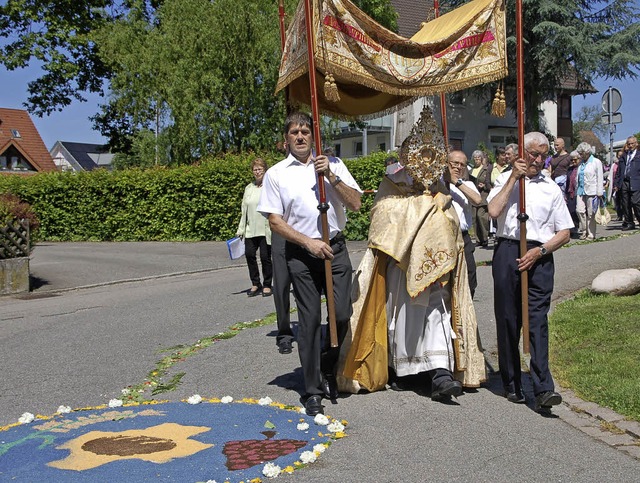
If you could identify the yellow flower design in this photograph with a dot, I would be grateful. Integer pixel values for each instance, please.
(158, 444)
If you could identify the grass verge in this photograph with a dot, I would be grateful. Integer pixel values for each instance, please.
(594, 349)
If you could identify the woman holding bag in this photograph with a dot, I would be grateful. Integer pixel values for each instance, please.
(254, 229)
(590, 190)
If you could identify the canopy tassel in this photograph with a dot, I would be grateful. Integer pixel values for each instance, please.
(331, 89)
(499, 105)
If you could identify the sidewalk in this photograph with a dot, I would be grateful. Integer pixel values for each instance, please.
(391, 436)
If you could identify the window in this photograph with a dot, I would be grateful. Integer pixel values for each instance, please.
(3, 162)
(15, 133)
(358, 148)
(564, 107)
(456, 140)
(382, 147)
(456, 98)
(337, 148)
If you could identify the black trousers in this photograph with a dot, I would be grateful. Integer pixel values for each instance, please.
(469, 248)
(251, 246)
(508, 312)
(630, 201)
(281, 288)
(308, 278)
(481, 223)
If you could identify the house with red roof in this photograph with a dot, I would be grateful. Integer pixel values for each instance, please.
(22, 150)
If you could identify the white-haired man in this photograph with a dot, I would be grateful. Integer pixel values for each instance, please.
(548, 226)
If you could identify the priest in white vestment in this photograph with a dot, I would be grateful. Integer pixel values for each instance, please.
(413, 310)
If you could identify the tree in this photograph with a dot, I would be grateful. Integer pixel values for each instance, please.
(569, 38)
(590, 119)
(185, 78)
(209, 74)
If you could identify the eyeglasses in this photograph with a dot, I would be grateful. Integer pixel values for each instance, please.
(535, 155)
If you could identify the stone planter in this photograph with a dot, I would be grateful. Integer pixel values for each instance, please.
(14, 275)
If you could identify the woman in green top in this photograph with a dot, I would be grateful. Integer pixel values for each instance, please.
(254, 229)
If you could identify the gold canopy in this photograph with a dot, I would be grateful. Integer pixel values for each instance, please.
(376, 70)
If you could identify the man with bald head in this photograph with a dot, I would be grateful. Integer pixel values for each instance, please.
(548, 228)
(463, 194)
(560, 164)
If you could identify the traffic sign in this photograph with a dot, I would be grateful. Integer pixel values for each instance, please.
(616, 100)
(616, 118)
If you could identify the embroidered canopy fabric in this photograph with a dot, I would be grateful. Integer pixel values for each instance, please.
(376, 70)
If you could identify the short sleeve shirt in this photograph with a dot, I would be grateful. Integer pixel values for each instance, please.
(547, 210)
(290, 189)
(462, 205)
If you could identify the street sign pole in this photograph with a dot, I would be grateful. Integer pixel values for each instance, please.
(611, 126)
(611, 102)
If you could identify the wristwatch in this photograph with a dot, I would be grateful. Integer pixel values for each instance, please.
(335, 182)
(543, 250)
(459, 183)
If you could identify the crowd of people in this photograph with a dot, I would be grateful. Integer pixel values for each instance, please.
(407, 310)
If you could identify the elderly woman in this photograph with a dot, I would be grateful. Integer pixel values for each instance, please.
(481, 176)
(590, 188)
(254, 229)
(572, 188)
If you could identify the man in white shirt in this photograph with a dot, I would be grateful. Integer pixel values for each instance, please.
(463, 194)
(290, 199)
(548, 226)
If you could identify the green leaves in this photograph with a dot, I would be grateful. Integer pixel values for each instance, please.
(188, 203)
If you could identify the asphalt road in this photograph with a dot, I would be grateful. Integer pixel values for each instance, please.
(81, 346)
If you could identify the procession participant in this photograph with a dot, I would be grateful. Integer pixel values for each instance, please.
(281, 297)
(510, 153)
(254, 229)
(590, 189)
(560, 162)
(281, 286)
(548, 228)
(413, 311)
(481, 176)
(627, 183)
(290, 200)
(463, 194)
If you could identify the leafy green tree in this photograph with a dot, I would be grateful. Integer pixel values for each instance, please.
(184, 78)
(589, 118)
(566, 39)
(381, 10)
(56, 35)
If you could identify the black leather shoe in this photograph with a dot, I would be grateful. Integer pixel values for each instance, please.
(285, 347)
(514, 397)
(446, 389)
(329, 386)
(313, 405)
(547, 399)
(628, 227)
(254, 293)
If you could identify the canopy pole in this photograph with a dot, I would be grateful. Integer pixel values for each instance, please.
(443, 96)
(522, 215)
(283, 39)
(323, 207)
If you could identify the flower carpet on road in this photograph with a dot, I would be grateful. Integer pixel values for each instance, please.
(198, 440)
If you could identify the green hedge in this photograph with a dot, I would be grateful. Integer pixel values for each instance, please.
(189, 203)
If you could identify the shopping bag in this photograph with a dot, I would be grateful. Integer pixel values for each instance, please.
(236, 247)
(603, 217)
